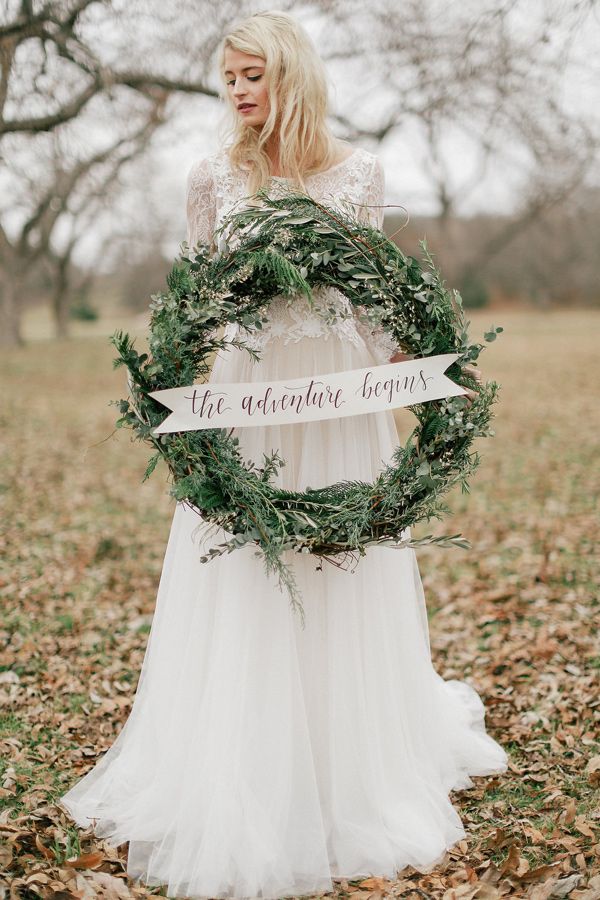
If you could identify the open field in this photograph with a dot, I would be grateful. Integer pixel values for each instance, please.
(83, 543)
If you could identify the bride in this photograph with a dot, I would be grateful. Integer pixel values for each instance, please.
(262, 758)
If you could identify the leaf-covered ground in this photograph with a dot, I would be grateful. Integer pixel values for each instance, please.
(82, 546)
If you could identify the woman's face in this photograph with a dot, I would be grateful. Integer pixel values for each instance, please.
(245, 78)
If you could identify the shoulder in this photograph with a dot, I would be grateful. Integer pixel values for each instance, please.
(371, 168)
(201, 172)
(214, 170)
(372, 160)
(366, 161)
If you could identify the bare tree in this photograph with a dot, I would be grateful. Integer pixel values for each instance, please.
(57, 37)
(487, 75)
(59, 82)
(83, 80)
(68, 195)
(85, 207)
(92, 74)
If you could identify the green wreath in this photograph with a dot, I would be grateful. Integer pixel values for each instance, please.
(281, 247)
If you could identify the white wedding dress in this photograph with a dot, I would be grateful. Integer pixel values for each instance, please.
(262, 758)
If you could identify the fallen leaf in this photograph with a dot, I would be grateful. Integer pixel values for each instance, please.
(514, 862)
(584, 827)
(114, 887)
(564, 886)
(540, 873)
(591, 891)
(86, 861)
(542, 891)
(569, 813)
(375, 884)
(43, 849)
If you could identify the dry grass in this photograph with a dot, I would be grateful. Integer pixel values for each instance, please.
(515, 615)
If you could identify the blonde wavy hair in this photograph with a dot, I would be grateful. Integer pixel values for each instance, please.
(298, 96)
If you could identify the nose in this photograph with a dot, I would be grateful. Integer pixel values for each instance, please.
(238, 89)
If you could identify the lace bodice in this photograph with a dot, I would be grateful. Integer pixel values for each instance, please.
(214, 186)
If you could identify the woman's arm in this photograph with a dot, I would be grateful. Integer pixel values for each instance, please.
(200, 204)
(382, 344)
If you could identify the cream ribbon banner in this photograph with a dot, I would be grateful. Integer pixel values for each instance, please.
(307, 399)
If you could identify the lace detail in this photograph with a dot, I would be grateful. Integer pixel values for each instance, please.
(293, 319)
(215, 188)
(201, 206)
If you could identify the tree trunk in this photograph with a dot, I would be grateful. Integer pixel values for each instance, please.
(10, 312)
(61, 299)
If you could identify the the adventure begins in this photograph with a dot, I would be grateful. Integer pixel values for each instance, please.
(327, 396)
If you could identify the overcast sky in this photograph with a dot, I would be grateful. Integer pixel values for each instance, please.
(192, 133)
(402, 152)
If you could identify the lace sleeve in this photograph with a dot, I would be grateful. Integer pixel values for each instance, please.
(372, 211)
(379, 341)
(201, 204)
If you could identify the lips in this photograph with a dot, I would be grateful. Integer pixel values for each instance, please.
(243, 106)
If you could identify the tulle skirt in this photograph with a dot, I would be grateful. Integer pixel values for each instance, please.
(262, 758)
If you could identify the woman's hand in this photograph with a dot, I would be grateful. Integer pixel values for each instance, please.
(472, 394)
(401, 357)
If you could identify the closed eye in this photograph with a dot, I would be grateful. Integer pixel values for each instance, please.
(250, 78)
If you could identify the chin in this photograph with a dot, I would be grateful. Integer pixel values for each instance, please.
(253, 120)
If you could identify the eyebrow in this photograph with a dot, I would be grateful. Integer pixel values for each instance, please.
(246, 69)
